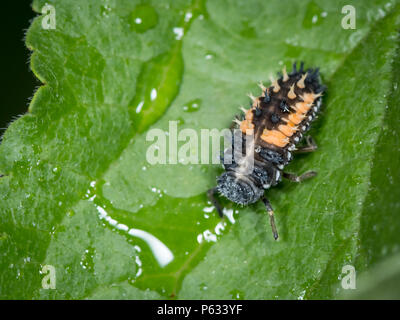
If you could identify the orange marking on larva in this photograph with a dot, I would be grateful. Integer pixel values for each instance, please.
(274, 137)
(289, 123)
(275, 84)
(300, 83)
(250, 125)
(303, 107)
(310, 97)
(291, 94)
(249, 115)
(256, 103)
(296, 118)
(275, 141)
(287, 130)
(246, 125)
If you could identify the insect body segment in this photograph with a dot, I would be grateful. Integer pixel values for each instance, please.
(277, 120)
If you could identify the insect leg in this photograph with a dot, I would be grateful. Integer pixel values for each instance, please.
(211, 196)
(310, 147)
(296, 178)
(271, 217)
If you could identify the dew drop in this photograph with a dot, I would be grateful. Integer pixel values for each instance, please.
(192, 106)
(237, 295)
(153, 94)
(139, 106)
(105, 10)
(178, 33)
(143, 17)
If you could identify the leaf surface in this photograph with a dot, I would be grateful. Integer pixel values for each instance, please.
(79, 194)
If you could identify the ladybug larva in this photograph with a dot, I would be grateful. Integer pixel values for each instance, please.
(277, 121)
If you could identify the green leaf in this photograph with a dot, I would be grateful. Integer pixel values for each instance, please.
(78, 193)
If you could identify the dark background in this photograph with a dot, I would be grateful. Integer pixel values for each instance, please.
(17, 82)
